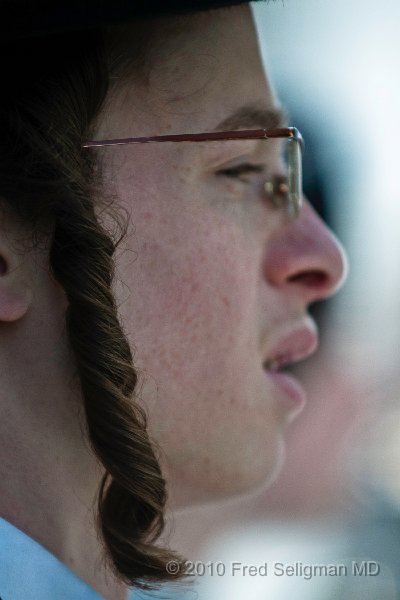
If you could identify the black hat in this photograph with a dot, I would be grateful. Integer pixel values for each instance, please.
(27, 18)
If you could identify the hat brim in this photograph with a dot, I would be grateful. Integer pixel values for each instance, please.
(27, 18)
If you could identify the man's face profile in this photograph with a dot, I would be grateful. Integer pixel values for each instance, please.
(191, 315)
(215, 282)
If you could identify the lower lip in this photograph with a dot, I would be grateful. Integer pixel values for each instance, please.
(292, 391)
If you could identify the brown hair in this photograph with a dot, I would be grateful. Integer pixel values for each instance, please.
(54, 89)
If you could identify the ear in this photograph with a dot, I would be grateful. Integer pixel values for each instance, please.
(15, 289)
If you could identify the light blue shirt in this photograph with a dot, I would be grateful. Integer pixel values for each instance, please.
(30, 572)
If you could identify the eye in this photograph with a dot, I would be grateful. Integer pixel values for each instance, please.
(239, 170)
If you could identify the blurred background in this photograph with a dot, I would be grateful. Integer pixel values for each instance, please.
(335, 66)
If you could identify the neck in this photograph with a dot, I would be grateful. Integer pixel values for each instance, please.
(50, 476)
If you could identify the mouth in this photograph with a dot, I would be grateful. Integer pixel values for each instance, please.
(287, 352)
(278, 363)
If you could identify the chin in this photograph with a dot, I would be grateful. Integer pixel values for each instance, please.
(226, 485)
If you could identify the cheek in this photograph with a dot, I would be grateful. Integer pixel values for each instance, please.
(193, 300)
(190, 309)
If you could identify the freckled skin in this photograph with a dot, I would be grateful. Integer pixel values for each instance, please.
(200, 304)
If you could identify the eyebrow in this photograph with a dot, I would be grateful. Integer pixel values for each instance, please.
(250, 116)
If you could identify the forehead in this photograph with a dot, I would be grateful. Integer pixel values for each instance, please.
(194, 72)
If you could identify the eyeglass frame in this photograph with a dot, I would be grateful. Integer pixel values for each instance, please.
(292, 191)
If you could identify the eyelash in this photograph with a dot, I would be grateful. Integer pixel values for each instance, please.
(243, 169)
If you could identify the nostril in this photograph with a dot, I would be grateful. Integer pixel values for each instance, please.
(312, 279)
(3, 266)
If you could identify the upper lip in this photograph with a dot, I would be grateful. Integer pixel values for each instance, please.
(292, 347)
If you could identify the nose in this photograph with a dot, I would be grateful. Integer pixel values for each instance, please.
(304, 258)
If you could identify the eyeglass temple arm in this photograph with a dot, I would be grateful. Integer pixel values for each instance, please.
(247, 134)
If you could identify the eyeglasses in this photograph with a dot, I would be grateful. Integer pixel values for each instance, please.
(283, 190)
